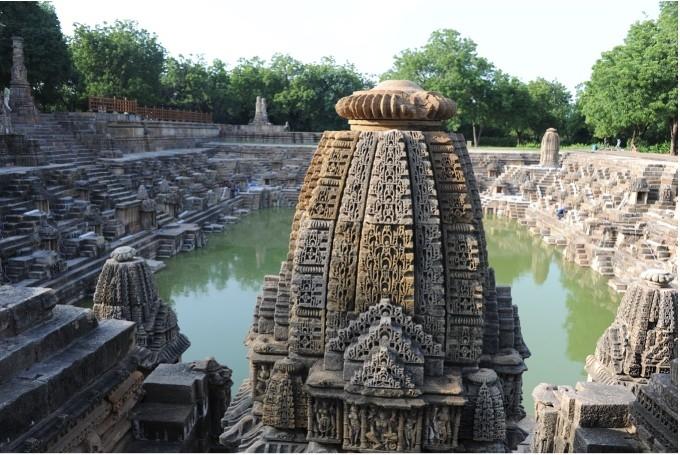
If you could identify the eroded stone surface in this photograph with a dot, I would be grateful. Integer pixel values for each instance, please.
(372, 336)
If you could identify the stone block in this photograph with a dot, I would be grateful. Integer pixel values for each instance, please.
(604, 440)
(602, 405)
(163, 421)
(21, 308)
(175, 384)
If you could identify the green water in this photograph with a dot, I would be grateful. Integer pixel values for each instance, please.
(213, 289)
(563, 308)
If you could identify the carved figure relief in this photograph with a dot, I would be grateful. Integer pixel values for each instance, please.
(325, 420)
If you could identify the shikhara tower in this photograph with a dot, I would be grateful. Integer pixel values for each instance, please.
(385, 330)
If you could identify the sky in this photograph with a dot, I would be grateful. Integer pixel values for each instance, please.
(556, 40)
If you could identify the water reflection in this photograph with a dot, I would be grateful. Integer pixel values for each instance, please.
(213, 289)
(563, 308)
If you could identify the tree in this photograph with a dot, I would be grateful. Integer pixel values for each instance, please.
(309, 100)
(186, 84)
(46, 55)
(249, 79)
(449, 64)
(634, 87)
(120, 60)
(551, 106)
(512, 105)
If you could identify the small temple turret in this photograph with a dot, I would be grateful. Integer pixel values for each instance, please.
(261, 117)
(639, 341)
(126, 290)
(20, 100)
(550, 149)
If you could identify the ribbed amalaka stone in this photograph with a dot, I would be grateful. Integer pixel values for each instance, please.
(550, 148)
(389, 291)
(126, 290)
(641, 339)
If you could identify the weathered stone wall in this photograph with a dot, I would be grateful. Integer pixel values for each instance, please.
(130, 133)
(489, 164)
(619, 212)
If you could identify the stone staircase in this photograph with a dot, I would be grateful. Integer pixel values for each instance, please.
(48, 354)
(57, 145)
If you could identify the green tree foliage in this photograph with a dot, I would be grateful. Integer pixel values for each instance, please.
(47, 59)
(186, 84)
(308, 102)
(251, 78)
(449, 64)
(551, 105)
(633, 89)
(487, 98)
(119, 59)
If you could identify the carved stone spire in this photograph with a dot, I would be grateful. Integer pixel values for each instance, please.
(21, 100)
(126, 290)
(550, 148)
(639, 341)
(261, 117)
(388, 292)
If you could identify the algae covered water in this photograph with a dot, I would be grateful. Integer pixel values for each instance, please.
(563, 308)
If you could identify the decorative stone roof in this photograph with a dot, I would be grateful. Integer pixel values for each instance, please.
(395, 100)
(639, 341)
(126, 290)
(388, 292)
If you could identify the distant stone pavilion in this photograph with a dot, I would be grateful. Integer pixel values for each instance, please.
(384, 330)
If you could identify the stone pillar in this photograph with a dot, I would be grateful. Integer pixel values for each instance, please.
(21, 99)
(219, 394)
(550, 148)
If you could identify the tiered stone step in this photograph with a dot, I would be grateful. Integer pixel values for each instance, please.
(49, 353)
(58, 145)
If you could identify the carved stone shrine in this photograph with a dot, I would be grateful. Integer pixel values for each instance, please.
(126, 290)
(384, 330)
(640, 341)
(550, 149)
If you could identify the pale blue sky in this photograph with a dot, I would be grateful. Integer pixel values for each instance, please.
(526, 38)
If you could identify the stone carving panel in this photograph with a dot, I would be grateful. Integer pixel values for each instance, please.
(389, 195)
(343, 267)
(261, 374)
(325, 420)
(372, 428)
(441, 428)
(385, 266)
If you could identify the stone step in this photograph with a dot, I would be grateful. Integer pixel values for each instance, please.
(39, 390)
(43, 340)
(23, 308)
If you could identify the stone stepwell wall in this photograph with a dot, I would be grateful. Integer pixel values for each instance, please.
(620, 212)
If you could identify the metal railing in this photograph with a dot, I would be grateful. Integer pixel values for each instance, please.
(124, 105)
